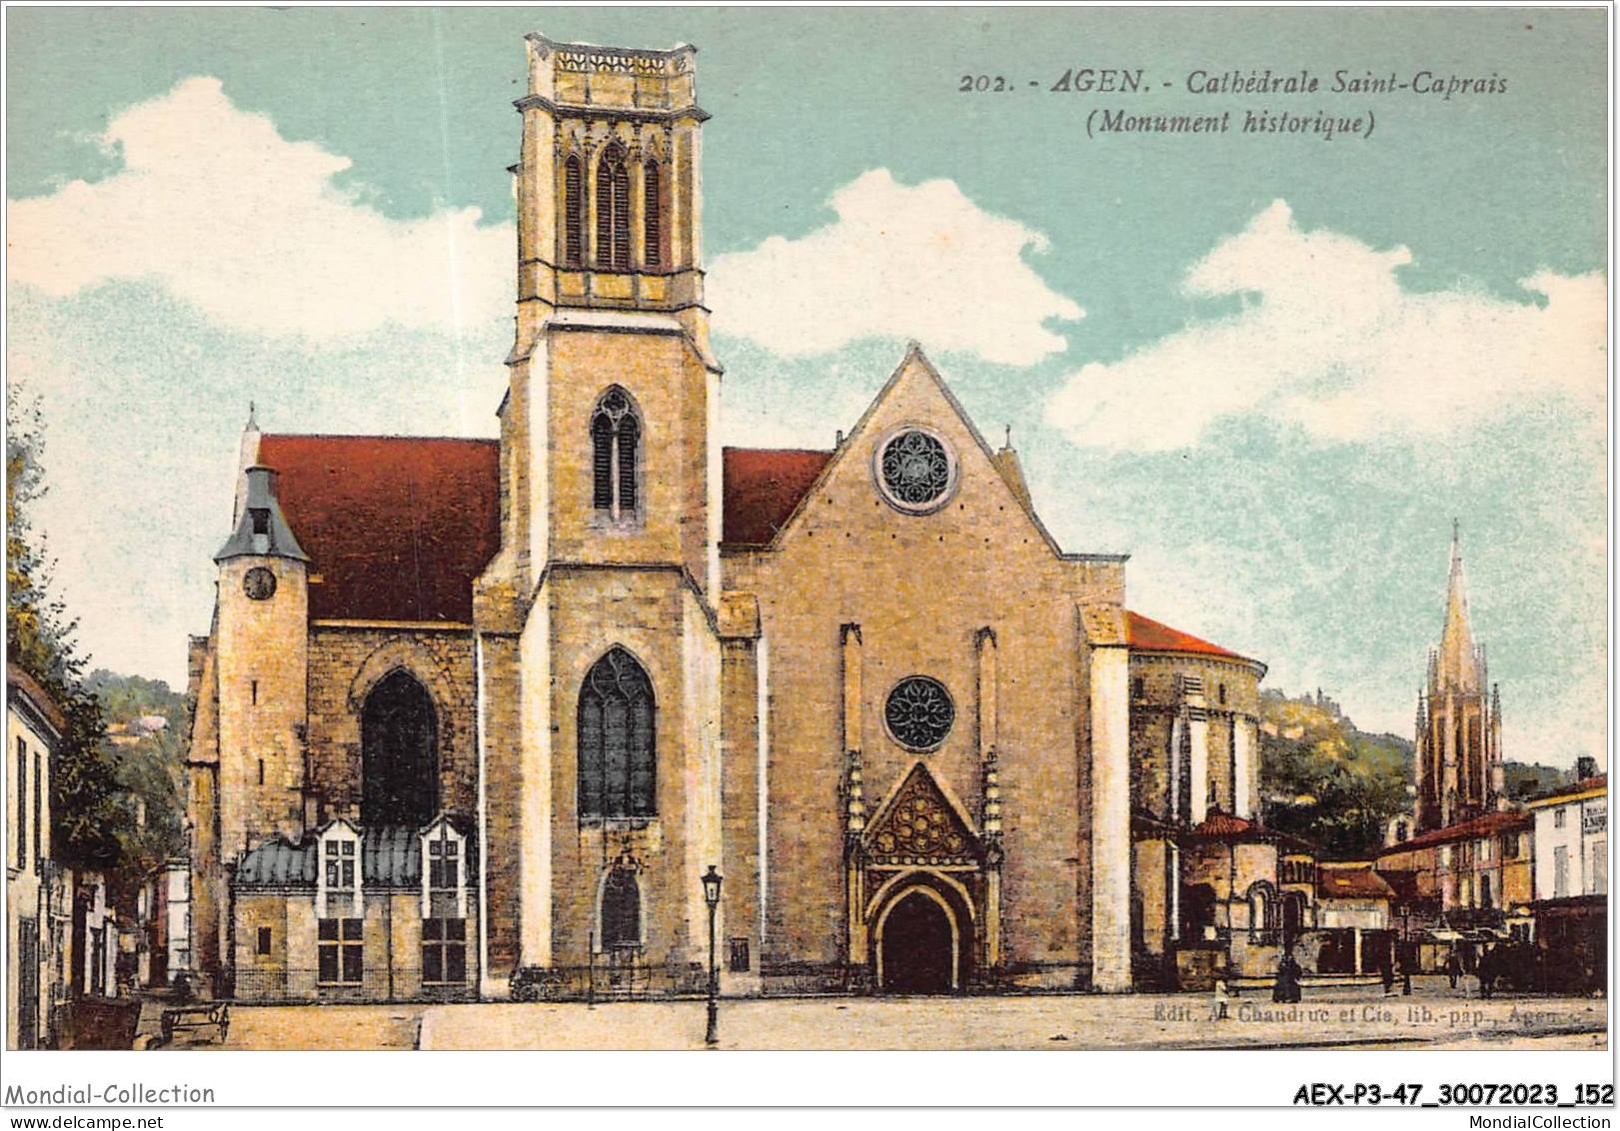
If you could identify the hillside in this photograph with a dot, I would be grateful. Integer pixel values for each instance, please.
(1323, 779)
(145, 744)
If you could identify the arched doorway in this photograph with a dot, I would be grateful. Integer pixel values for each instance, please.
(918, 945)
(1293, 917)
(621, 911)
(399, 740)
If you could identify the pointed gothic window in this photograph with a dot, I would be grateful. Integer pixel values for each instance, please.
(617, 721)
(573, 212)
(613, 210)
(652, 214)
(399, 753)
(615, 444)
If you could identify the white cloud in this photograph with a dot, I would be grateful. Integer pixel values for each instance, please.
(900, 261)
(215, 205)
(1328, 339)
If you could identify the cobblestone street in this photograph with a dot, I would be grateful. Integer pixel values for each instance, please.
(1347, 1017)
(1341, 1017)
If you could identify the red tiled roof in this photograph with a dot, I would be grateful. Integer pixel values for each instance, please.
(1149, 635)
(1223, 825)
(1404, 883)
(762, 488)
(1488, 825)
(1352, 883)
(396, 527)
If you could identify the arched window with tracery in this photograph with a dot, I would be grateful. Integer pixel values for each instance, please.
(399, 744)
(617, 732)
(653, 213)
(621, 910)
(613, 210)
(615, 446)
(573, 212)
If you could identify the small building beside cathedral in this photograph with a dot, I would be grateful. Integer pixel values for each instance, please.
(474, 716)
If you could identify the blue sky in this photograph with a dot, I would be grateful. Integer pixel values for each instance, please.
(1272, 368)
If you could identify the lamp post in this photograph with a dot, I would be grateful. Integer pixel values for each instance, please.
(711, 896)
(1407, 957)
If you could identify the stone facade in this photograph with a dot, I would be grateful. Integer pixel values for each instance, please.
(866, 683)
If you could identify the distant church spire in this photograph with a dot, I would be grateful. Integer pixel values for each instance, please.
(1458, 668)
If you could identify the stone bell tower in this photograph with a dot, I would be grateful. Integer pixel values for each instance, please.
(600, 605)
(262, 642)
(612, 335)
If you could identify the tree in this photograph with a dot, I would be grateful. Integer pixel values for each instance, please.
(87, 807)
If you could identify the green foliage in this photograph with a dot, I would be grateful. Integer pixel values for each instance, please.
(1324, 780)
(145, 746)
(40, 639)
(1522, 779)
(116, 799)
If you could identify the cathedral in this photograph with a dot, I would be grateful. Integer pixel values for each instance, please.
(473, 717)
(1458, 762)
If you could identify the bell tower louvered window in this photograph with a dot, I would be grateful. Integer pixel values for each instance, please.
(652, 214)
(573, 212)
(613, 210)
(617, 729)
(615, 447)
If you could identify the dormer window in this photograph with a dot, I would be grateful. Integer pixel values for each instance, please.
(339, 879)
(339, 865)
(444, 905)
(444, 871)
(615, 445)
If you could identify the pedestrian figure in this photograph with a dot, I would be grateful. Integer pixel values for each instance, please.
(1286, 988)
(1388, 972)
(1220, 999)
(1487, 973)
(1453, 968)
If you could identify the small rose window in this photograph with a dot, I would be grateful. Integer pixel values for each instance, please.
(915, 470)
(919, 713)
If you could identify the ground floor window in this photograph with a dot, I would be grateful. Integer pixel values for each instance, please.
(341, 951)
(444, 951)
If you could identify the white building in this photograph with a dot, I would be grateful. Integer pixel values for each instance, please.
(34, 728)
(1572, 840)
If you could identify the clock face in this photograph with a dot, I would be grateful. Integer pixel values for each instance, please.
(259, 583)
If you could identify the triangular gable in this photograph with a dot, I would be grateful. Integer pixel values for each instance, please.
(916, 360)
(920, 824)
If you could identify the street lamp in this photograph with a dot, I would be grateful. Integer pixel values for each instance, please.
(711, 896)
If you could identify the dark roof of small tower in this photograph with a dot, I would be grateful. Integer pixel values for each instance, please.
(275, 539)
(397, 528)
